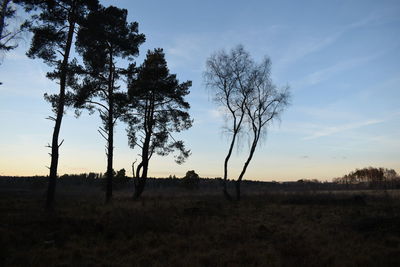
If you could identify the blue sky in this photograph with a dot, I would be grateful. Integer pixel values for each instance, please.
(340, 58)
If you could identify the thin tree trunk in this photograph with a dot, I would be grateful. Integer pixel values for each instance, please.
(246, 164)
(110, 151)
(110, 126)
(225, 189)
(60, 112)
(236, 129)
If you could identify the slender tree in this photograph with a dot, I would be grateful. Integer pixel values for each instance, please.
(227, 75)
(53, 36)
(245, 91)
(265, 103)
(105, 38)
(160, 110)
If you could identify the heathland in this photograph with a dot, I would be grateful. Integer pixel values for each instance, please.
(183, 226)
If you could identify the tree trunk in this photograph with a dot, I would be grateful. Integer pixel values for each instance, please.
(237, 185)
(110, 151)
(236, 129)
(139, 186)
(137, 182)
(246, 164)
(225, 189)
(60, 112)
(110, 126)
(144, 165)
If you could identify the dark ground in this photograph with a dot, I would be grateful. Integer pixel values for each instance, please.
(353, 228)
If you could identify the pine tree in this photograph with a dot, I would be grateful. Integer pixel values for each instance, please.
(160, 110)
(105, 38)
(53, 35)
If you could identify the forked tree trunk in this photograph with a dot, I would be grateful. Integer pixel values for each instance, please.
(236, 129)
(144, 164)
(60, 112)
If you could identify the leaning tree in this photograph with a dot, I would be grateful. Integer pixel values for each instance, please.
(227, 76)
(55, 23)
(264, 105)
(160, 109)
(245, 91)
(104, 39)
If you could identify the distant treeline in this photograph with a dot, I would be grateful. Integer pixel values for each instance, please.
(371, 178)
(367, 178)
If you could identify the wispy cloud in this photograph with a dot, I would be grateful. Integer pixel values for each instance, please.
(191, 50)
(326, 73)
(327, 131)
(306, 46)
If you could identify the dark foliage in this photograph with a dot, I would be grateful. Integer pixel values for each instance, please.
(159, 110)
(105, 37)
(9, 35)
(371, 177)
(191, 180)
(53, 29)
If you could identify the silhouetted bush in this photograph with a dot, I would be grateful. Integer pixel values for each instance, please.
(191, 180)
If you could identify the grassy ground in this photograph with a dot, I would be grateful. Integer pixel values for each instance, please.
(276, 229)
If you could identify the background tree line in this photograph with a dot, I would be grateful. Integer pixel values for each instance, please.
(373, 177)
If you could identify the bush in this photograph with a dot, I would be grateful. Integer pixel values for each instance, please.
(191, 180)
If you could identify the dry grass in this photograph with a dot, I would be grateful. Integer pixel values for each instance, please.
(264, 230)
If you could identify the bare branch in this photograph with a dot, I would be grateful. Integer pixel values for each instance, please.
(97, 103)
(51, 118)
(61, 143)
(103, 135)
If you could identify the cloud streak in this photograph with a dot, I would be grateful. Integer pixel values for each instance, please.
(326, 73)
(328, 131)
(299, 50)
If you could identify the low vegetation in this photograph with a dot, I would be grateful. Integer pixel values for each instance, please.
(174, 228)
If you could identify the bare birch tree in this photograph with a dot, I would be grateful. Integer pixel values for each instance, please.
(245, 91)
(227, 76)
(264, 105)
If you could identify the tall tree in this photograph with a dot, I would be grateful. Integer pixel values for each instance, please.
(264, 104)
(160, 110)
(105, 38)
(53, 34)
(227, 75)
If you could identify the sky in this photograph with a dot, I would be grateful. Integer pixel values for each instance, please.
(341, 60)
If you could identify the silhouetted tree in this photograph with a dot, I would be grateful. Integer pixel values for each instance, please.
(265, 104)
(191, 180)
(121, 174)
(227, 75)
(245, 91)
(9, 34)
(160, 110)
(373, 177)
(55, 24)
(105, 38)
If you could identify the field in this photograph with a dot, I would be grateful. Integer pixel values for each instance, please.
(269, 229)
